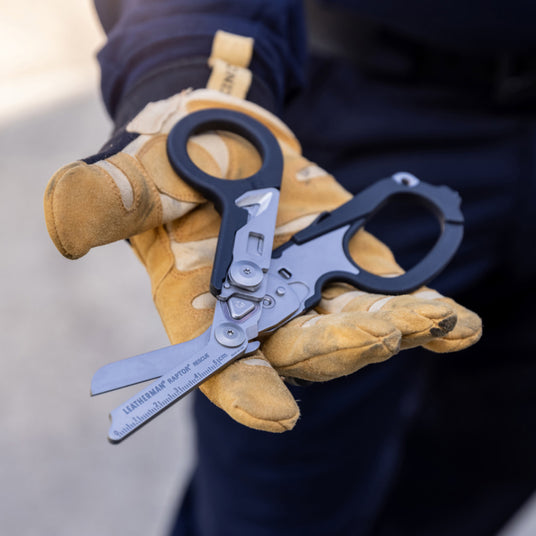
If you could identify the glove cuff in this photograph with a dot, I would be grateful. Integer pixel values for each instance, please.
(171, 78)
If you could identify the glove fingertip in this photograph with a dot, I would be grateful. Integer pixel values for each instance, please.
(53, 220)
(449, 344)
(466, 332)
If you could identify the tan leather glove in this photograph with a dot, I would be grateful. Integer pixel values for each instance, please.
(133, 192)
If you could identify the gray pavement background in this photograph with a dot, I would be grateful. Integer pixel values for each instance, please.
(61, 320)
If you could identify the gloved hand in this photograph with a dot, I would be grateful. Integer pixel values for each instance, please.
(130, 190)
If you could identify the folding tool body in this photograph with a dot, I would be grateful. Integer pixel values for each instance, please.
(235, 323)
(259, 290)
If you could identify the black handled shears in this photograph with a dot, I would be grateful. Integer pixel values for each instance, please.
(258, 289)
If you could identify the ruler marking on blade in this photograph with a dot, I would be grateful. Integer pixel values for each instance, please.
(168, 389)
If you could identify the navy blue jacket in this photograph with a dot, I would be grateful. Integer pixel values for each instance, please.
(153, 38)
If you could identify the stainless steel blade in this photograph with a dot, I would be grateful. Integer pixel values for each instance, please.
(146, 366)
(170, 388)
(234, 327)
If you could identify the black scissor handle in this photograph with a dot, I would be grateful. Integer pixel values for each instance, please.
(443, 202)
(224, 193)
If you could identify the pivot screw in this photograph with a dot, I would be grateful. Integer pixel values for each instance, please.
(246, 275)
(229, 335)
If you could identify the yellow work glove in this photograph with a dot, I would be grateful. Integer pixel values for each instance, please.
(132, 191)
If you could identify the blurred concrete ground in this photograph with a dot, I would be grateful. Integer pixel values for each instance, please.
(61, 320)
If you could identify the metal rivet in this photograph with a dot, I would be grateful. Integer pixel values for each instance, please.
(246, 275)
(406, 179)
(229, 335)
(268, 302)
(280, 291)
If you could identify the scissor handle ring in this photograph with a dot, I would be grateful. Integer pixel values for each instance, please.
(217, 190)
(441, 200)
(224, 193)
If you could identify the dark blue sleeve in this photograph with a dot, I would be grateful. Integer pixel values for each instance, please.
(156, 48)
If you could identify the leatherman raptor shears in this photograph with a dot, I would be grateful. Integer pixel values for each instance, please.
(258, 289)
